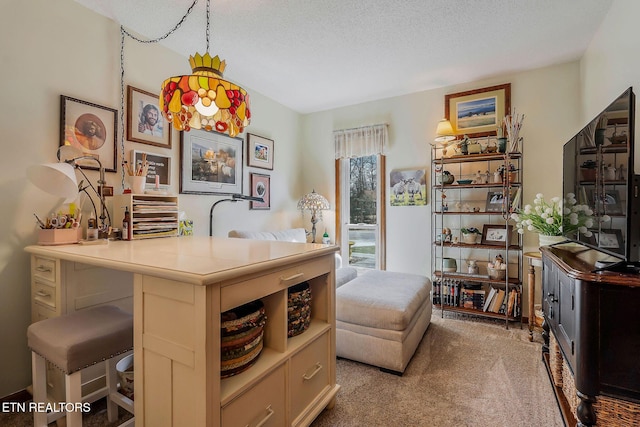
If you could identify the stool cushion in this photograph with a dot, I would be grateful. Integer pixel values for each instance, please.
(77, 340)
(382, 299)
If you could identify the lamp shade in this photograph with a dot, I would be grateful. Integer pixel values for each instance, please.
(58, 179)
(313, 202)
(444, 132)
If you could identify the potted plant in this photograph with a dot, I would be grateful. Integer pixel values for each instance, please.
(588, 170)
(469, 235)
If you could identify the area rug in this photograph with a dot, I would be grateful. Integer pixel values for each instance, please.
(464, 373)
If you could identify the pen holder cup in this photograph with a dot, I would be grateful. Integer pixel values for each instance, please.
(138, 183)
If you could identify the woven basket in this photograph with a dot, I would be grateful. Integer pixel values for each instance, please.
(241, 337)
(569, 388)
(298, 309)
(555, 361)
(615, 412)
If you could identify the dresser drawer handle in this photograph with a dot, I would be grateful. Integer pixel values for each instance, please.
(290, 278)
(44, 269)
(313, 374)
(43, 294)
(270, 412)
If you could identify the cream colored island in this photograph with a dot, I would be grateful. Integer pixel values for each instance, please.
(181, 285)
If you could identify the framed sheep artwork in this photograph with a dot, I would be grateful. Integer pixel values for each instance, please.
(408, 187)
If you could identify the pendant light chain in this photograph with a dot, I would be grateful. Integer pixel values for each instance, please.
(123, 33)
(208, 13)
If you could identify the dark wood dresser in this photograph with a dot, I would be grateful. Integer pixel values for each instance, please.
(592, 337)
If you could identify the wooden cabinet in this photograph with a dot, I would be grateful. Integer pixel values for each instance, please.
(593, 319)
(476, 198)
(151, 215)
(180, 288)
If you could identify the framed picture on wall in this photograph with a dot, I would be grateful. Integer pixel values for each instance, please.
(92, 129)
(478, 112)
(145, 124)
(210, 163)
(259, 152)
(260, 187)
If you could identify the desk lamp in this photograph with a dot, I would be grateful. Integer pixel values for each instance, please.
(315, 203)
(234, 198)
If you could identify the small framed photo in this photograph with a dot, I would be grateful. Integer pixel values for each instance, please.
(210, 163)
(145, 124)
(260, 187)
(610, 239)
(496, 234)
(159, 166)
(259, 152)
(609, 202)
(496, 202)
(478, 112)
(92, 129)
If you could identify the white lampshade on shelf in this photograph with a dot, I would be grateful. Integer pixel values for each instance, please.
(444, 133)
(58, 179)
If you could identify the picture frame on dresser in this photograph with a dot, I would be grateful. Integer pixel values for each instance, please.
(496, 234)
(210, 163)
(478, 112)
(145, 124)
(92, 129)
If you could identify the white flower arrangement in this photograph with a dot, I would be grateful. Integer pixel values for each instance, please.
(547, 218)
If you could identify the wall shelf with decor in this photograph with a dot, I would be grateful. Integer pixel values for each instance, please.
(476, 193)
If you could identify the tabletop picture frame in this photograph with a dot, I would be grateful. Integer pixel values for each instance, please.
(210, 163)
(145, 123)
(610, 202)
(92, 129)
(259, 152)
(260, 187)
(496, 234)
(477, 113)
(159, 165)
(610, 239)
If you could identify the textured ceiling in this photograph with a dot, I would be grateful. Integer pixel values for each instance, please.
(313, 55)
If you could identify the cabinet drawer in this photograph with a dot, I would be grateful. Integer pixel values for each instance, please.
(263, 404)
(40, 312)
(44, 294)
(309, 374)
(44, 268)
(258, 287)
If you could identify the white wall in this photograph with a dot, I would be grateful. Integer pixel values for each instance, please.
(547, 96)
(49, 48)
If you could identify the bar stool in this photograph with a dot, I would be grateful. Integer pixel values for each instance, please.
(73, 342)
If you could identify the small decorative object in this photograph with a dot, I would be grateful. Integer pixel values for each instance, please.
(487, 177)
(298, 309)
(547, 218)
(513, 124)
(449, 265)
(502, 145)
(446, 177)
(479, 178)
(497, 177)
(464, 145)
(622, 172)
(259, 152)
(470, 235)
(465, 181)
(241, 337)
(497, 269)
(609, 173)
(588, 170)
(446, 234)
(474, 148)
(473, 266)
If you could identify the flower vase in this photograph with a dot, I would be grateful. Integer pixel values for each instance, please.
(549, 240)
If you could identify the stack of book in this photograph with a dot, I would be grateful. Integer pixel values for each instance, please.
(498, 301)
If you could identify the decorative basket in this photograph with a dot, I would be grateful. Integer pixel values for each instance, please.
(298, 309)
(496, 274)
(241, 337)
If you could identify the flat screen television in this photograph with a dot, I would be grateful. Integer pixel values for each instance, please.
(598, 168)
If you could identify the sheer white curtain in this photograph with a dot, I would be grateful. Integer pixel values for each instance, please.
(360, 142)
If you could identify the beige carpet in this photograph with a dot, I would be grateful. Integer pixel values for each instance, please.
(464, 373)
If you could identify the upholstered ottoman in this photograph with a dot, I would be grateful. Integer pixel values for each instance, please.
(381, 317)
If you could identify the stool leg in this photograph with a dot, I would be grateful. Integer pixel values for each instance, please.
(73, 384)
(112, 387)
(39, 379)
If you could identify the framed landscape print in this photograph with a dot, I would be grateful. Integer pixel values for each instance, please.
(478, 112)
(145, 124)
(260, 187)
(496, 234)
(90, 128)
(259, 152)
(210, 163)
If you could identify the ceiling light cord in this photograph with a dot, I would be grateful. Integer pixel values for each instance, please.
(123, 33)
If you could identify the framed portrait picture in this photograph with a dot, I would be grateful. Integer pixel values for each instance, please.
(145, 124)
(496, 234)
(159, 166)
(260, 187)
(478, 112)
(92, 129)
(210, 163)
(259, 152)
(609, 201)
